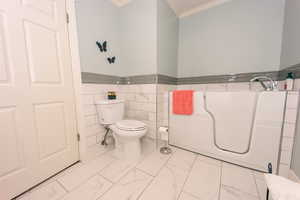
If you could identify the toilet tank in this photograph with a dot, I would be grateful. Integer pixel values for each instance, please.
(109, 111)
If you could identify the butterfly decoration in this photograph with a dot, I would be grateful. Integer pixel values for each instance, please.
(103, 46)
(111, 60)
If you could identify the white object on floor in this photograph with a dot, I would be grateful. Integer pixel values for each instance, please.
(282, 188)
(164, 133)
(127, 133)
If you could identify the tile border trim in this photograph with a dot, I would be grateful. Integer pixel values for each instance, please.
(294, 68)
(168, 80)
(242, 77)
(93, 78)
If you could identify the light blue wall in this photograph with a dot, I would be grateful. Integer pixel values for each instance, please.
(236, 37)
(131, 32)
(291, 35)
(239, 36)
(168, 30)
(98, 20)
(138, 33)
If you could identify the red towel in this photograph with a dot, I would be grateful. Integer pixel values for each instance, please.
(183, 102)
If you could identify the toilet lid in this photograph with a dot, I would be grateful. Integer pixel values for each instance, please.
(130, 125)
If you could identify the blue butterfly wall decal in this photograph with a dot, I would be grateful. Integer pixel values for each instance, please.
(103, 46)
(111, 60)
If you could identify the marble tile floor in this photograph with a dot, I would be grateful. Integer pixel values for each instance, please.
(180, 176)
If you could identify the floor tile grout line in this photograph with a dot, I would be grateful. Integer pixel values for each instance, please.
(190, 194)
(87, 179)
(220, 185)
(105, 178)
(113, 184)
(256, 185)
(97, 174)
(155, 175)
(241, 191)
(54, 179)
(147, 186)
(188, 175)
(59, 183)
(238, 189)
(166, 163)
(108, 189)
(122, 176)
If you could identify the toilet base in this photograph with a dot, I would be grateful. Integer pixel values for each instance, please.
(129, 150)
(128, 144)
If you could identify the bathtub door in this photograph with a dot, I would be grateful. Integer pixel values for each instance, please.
(37, 111)
(233, 116)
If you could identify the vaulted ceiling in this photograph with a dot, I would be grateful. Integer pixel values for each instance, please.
(183, 8)
(188, 7)
(120, 3)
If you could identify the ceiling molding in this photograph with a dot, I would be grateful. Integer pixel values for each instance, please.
(203, 7)
(120, 3)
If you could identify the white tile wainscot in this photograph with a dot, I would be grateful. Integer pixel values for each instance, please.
(94, 132)
(288, 133)
(163, 104)
(149, 103)
(141, 104)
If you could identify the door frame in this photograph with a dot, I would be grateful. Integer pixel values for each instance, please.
(76, 68)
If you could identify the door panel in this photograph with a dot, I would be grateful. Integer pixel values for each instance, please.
(37, 107)
(8, 130)
(4, 64)
(44, 63)
(45, 7)
(51, 129)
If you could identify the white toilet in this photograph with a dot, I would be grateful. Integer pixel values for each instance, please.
(127, 133)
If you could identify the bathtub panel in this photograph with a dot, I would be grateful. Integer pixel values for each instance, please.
(270, 106)
(196, 133)
(264, 148)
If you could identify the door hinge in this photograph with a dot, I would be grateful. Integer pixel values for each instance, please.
(67, 17)
(78, 137)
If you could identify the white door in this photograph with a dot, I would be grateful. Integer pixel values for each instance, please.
(37, 109)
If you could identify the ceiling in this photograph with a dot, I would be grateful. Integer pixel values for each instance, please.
(185, 8)
(120, 3)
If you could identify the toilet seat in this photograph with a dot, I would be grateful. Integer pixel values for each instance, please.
(130, 125)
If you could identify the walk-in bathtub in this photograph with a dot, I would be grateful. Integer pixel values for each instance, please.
(243, 128)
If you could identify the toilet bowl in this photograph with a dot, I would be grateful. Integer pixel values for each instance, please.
(128, 134)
